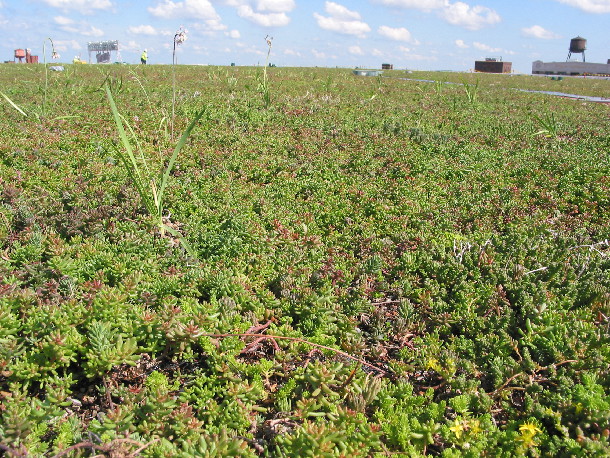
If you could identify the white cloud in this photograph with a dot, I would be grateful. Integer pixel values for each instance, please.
(265, 20)
(266, 13)
(590, 6)
(234, 34)
(342, 20)
(64, 45)
(341, 12)
(81, 28)
(195, 9)
(62, 20)
(292, 52)
(377, 52)
(131, 46)
(215, 24)
(461, 44)
(420, 57)
(356, 50)
(469, 17)
(143, 30)
(537, 31)
(424, 5)
(409, 55)
(318, 54)
(456, 13)
(83, 6)
(399, 34)
(275, 6)
(484, 47)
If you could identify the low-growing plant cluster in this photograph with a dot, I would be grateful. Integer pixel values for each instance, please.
(372, 266)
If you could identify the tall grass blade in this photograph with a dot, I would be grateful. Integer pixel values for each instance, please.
(135, 139)
(153, 199)
(471, 91)
(550, 127)
(172, 160)
(129, 160)
(13, 104)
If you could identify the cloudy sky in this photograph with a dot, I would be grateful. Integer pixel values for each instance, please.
(414, 34)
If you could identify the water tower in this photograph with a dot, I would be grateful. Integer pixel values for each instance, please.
(577, 45)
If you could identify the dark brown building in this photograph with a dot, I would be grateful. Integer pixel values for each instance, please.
(492, 66)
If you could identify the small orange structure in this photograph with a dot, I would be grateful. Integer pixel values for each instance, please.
(20, 54)
(25, 54)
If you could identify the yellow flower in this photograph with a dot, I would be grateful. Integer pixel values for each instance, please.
(475, 427)
(433, 364)
(529, 429)
(527, 440)
(457, 428)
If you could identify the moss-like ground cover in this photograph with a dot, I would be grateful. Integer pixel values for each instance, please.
(433, 258)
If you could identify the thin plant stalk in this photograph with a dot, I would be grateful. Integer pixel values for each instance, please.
(54, 55)
(269, 41)
(163, 124)
(265, 85)
(179, 38)
(173, 87)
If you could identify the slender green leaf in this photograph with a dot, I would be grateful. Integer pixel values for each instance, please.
(66, 117)
(129, 160)
(172, 160)
(13, 104)
(135, 139)
(187, 246)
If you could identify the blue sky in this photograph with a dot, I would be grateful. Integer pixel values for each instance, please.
(413, 34)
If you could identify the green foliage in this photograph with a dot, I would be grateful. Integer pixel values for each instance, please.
(459, 259)
(108, 349)
(349, 435)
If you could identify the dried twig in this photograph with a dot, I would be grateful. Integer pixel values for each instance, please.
(13, 452)
(531, 376)
(535, 270)
(592, 246)
(505, 384)
(297, 339)
(111, 404)
(389, 301)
